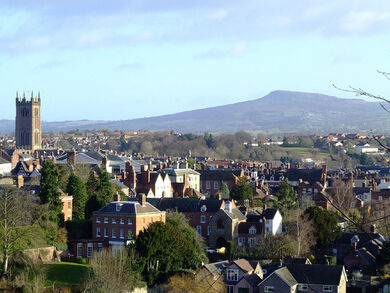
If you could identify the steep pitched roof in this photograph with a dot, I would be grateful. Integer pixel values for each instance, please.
(244, 265)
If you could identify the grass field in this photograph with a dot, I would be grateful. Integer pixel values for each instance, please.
(65, 274)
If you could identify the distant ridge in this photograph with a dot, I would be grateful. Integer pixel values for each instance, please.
(279, 112)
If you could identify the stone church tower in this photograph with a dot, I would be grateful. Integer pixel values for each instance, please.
(28, 132)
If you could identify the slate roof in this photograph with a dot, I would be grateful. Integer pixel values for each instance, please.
(127, 208)
(220, 174)
(235, 214)
(316, 274)
(118, 183)
(81, 158)
(185, 205)
(269, 213)
(364, 238)
(179, 172)
(310, 175)
(217, 267)
(243, 228)
(361, 190)
(252, 279)
(286, 275)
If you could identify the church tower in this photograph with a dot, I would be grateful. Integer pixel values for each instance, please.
(28, 132)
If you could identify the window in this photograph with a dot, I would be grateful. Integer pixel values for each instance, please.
(114, 220)
(122, 233)
(252, 230)
(89, 249)
(118, 207)
(251, 241)
(105, 220)
(327, 288)
(380, 197)
(79, 249)
(229, 289)
(69, 206)
(98, 232)
(315, 190)
(232, 275)
(207, 184)
(100, 246)
(105, 232)
(129, 222)
(129, 234)
(303, 190)
(216, 185)
(269, 289)
(302, 287)
(199, 229)
(113, 233)
(121, 221)
(203, 219)
(241, 241)
(98, 220)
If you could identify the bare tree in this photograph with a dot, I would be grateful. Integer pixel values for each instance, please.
(18, 212)
(342, 194)
(112, 272)
(383, 102)
(300, 228)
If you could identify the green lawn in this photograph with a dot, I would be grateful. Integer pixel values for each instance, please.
(65, 273)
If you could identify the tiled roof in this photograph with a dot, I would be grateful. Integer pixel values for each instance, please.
(243, 264)
(316, 273)
(310, 175)
(183, 205)
(219, 174)
(127, 208)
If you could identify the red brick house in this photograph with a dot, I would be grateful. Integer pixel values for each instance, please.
(211, 180)
(115, 225)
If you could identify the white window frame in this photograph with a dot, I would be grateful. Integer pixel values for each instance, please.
(251, 241)
(113, 233)
(89, 249)
(113, 220)
(229, 289)
(199, 229)
(121, 221)
(269, 289)
(98, 232)
(203, 219)
(129, 221)
(105, 220)
(216, 185)
(99, 246)
(97, 219)
(232, 274)
(79, 252)
(105, 232)
(208, 230)
(122, 233)
(252, 230)
(207, 184)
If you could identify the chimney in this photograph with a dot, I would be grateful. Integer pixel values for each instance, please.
(128, 166)
(30, 166)
(37, 164)
(20, 181)
(150, 167)
(142, 199)
(117, 197)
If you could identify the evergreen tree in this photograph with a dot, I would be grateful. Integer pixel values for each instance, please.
(49, 187)
(92, 184)
(225, 190)
(242, 190)
(287, 197)
(76, 187)
(105, 190)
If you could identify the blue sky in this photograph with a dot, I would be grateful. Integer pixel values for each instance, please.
(113, 60)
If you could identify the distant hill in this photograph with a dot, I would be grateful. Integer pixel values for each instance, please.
(277, 113)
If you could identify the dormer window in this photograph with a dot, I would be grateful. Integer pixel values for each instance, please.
(302, 287)
(252, 230)
(231, 275)
(203, 208)
(118, 207)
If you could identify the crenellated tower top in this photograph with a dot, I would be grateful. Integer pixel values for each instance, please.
(24, 102)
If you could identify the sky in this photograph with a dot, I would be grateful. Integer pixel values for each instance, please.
(125, 59)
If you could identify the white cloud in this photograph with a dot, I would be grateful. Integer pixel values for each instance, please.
(239, 48)
(218, 15)
(358, 21)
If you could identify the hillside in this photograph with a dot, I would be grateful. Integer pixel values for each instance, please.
(276, 113)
